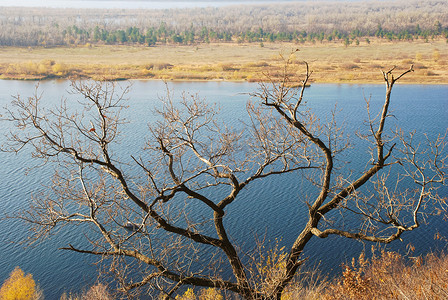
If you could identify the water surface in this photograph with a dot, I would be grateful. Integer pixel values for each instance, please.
(278, 203)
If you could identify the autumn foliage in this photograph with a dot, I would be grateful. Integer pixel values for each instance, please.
(389, 275)
(19, 286)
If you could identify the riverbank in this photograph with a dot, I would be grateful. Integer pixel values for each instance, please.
(330, 62)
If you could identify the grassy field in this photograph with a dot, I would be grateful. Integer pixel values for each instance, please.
(330, 62)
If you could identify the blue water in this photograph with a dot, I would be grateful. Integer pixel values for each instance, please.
(278, 202)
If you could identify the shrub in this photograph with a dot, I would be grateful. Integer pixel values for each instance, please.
(210, 294)
(19, 287)
(226, 67)
(188, 295)
(430, 73)
(204, 294)
(350, 66)
(59, 69)
(260, 64)
(163, 66)
(418, 66)
(98, 291)
(391, 276)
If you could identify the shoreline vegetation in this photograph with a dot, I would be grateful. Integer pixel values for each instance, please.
(381, 275)
(332, 62)
(343, 41)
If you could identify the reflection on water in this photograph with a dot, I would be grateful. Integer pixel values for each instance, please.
(277, 202)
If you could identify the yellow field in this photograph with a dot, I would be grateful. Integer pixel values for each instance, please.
(330, 62)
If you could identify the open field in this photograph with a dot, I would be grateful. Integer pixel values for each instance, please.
(330, 62)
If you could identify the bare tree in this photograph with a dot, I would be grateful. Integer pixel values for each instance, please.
(160, 217)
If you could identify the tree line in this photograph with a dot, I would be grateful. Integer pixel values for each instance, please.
(299, 22)
(164, 35)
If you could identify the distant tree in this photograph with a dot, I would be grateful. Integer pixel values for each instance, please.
(121, 36)
(347, 42)
(96, 34)
(166, 228)
(438, 27)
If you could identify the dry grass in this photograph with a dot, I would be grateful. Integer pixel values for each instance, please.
(96, 292)
(331, 62)
(390, 276)
(387, 275)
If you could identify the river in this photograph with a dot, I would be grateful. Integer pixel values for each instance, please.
(423, 108)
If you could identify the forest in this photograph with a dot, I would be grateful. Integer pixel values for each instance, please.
(345, 22)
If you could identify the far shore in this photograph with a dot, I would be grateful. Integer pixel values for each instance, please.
(330, 62)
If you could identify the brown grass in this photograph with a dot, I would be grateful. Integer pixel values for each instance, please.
(331, 62)
(387, 275)
(390, 276)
